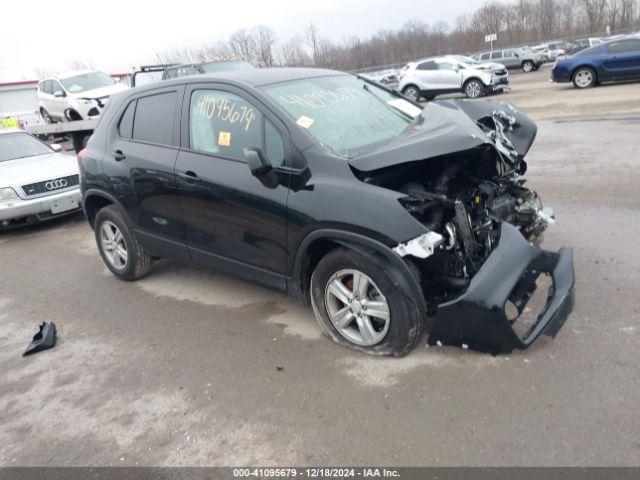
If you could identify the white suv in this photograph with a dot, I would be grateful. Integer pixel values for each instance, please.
(78, 95)
(436, 76)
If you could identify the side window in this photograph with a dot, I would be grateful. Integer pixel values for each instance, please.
(485, 56)
(273, 144)
(428, 66)
(223, 123)
(154, 118)
(446, 66)
(496, 55)
(56, 87)
(625, 46)
(48, 87)
(125, 126)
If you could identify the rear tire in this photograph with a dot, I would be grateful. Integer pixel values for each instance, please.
(527, 66)
(45, 116)
(118, 246)
(584, 77)
(378, 318)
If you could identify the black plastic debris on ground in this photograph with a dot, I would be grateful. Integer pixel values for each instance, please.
(43, 340)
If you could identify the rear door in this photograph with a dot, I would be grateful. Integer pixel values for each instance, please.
(233, 222)
(141, 166)
(623, 60)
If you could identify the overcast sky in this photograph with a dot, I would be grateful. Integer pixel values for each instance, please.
(115, 35)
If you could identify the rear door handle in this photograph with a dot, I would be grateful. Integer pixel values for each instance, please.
(118, 155)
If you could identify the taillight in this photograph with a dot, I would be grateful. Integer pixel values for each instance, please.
(80, 155)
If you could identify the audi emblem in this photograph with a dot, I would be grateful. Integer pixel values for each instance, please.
(56, 184)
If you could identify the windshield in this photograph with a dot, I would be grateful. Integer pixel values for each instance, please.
(87, 81)
(223, 66)
(345, 114)
(19, 145)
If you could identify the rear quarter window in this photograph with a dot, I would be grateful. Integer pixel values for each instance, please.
(154, 118)
(125, 125)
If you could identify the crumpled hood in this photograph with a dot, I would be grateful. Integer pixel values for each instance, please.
(445, 127)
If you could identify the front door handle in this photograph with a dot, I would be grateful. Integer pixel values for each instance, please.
(118, 155)
(190, 176)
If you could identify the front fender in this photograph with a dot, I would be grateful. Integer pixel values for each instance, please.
(400, 273)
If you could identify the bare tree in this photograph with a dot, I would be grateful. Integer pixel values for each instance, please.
(595, 10)
(243, 45)
(517, 22)
(294, 54)
(265, 39)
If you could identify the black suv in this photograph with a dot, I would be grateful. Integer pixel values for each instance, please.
(389, 218)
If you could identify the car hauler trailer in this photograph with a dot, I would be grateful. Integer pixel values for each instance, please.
(79, 131)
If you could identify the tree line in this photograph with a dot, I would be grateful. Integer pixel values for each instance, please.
(516, 23)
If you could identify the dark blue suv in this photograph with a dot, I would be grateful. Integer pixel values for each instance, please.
(612, 61)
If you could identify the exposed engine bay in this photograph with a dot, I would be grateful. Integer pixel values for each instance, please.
(462, 197)
(459, 172)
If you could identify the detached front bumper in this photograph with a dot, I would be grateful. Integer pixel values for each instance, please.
(478, 318)
(499, 88)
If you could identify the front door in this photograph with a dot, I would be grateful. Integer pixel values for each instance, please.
(623, 60)
(233, 222)
(449, 76)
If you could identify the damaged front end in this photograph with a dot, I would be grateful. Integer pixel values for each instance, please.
(479, 262)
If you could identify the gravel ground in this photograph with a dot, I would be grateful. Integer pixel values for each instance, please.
(188, 367)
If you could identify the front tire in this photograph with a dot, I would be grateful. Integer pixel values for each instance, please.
(584, 77)
(118, 247)
(357, 304)
(473, 88)
(412, 92)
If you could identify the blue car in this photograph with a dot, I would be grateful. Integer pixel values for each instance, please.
(611, 61)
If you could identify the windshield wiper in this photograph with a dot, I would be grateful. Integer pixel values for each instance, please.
(395, 110)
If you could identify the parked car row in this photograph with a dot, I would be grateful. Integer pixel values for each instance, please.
(83, 94)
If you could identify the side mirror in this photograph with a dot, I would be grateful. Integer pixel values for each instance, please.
(59, 94)
(56, 147)
(260, 168)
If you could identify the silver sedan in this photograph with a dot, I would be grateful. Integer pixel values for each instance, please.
(37, 182)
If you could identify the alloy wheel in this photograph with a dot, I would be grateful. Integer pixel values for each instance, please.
(527, 67)
(584, 78)
(473, 90)
(113, 246)
(412, 93)
(356, 307)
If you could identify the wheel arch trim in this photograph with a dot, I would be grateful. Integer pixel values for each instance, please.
(375, 250)
(92, 192)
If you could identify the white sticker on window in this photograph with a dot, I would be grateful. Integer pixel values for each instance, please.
(405, 107)
(305, 122)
